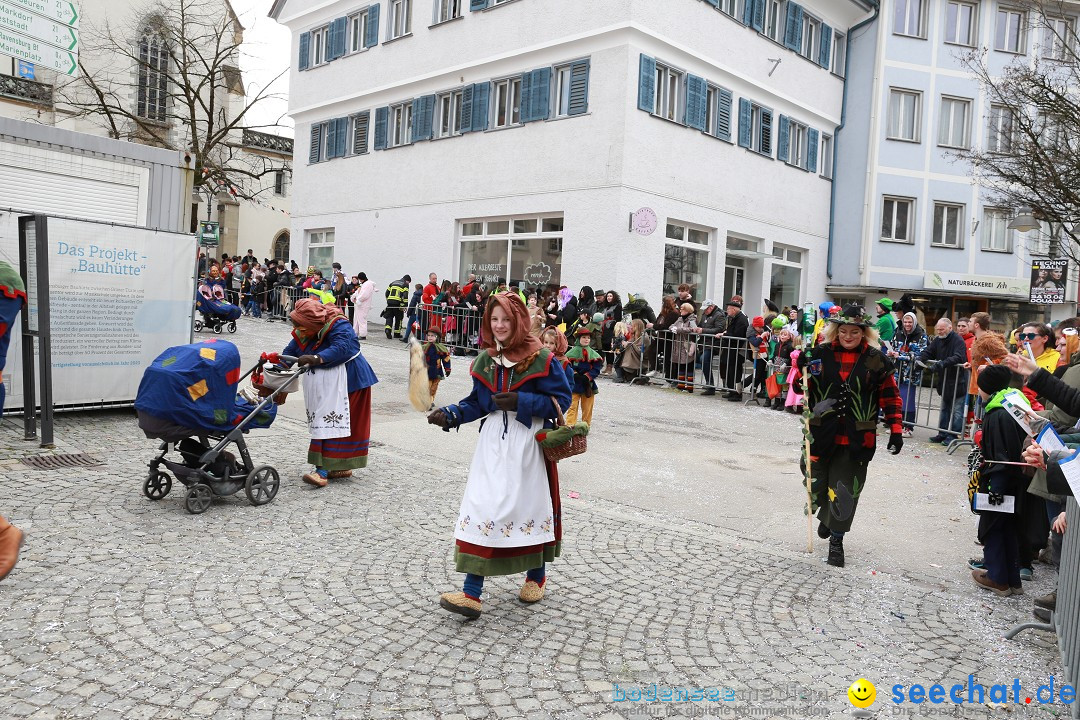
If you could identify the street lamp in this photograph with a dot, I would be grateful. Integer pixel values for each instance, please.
(1025, 221)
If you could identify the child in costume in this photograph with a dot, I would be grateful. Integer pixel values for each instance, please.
(586, 364)
(782, 365)
(510, 518)
(555, 341)
(437, 358)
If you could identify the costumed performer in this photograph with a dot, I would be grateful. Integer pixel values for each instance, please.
(586, 364)
(211, 300)
(437, 359)
(337, 389)
(510, 518)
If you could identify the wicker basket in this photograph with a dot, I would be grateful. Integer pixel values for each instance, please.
(575, 446)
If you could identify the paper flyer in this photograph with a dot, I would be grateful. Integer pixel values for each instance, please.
(1049, 440)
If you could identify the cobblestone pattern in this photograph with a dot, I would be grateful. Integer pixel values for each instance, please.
(323, 604)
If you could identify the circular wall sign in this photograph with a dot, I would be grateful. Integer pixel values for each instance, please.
(644, 222)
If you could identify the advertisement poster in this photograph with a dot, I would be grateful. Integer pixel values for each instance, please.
(1048, 279)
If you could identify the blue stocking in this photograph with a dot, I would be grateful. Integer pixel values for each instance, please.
(474, 585)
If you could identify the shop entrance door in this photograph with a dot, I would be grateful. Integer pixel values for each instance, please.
(733, 278)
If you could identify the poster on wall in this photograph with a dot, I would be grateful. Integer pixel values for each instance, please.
(119, 296)
(1048, 278)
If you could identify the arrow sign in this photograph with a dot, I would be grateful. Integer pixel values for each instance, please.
(58, 10)
(37, 52)
(27, 23)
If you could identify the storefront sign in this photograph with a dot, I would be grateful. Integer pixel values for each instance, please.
(961, 284)
(490, 274)
(536, 275)
(644, 221)
(1048, 279)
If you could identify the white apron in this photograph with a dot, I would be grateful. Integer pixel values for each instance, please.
(507, 502)
(326, 398)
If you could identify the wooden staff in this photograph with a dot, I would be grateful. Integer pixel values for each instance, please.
(806, 449)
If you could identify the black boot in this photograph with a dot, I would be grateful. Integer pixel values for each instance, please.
(836, 551)
(822, 531)
(778, 404)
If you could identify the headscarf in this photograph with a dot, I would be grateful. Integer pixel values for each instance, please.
(565, 296)
(521, 344)
(311, 319)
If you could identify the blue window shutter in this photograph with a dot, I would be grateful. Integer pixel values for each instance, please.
(466, 108)
(422, 117)
(826, 46)
(429, 115)
(744, 123)
(342, 135)
(811, 150)
(337, 37)
(697, 95)
(315, 150)
(723, 115)
(748, 12)
(540, 101)
(758, 20)
(382, 119)
(579, 88)
(647, 84)
(526, 96)
(793, 32)
(360, 133)
(371, 38)
(305, 50)
(783, 145)
(714, 3)
(766, 131)
(331, 139)
(481, 91)
(475, 5)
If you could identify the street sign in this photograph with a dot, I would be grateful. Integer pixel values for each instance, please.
(37, 52)
(59, 10)
(37, 27)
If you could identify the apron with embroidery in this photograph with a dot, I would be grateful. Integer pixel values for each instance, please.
(326, 398)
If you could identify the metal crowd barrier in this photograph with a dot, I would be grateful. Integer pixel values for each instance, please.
(922, 404)
(696, 362)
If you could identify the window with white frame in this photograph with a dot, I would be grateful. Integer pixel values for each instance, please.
(775, 17)
(447, 10)
(908, 16)
(1001, 133)
(897, 219)
(761, 129)
(1009, 33)
(281, 183)
(320, 250)
(320, 46)
(669, 84)
(448, 114)
(825, 157)
(954, 122)
(523, 251)
(996, 235)
(152, 94)
(1051, 133)
(961, 23)
(686, 257)
(1058, 38)
(325, 149)
(718, 112)
(798, 139)
(563, 75)
(811, 38)
(839, 53)
(400, 19)
(904, 114)
(786, 282)
(506, 102)
(948, 225)
(400, 132)
(357, 31)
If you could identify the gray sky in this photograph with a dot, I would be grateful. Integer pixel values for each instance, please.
(267, 53)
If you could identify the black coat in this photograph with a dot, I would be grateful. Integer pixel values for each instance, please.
(949, 351)
(738, 326)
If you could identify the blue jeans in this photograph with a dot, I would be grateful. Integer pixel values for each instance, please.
(408, 326)
(951, 417)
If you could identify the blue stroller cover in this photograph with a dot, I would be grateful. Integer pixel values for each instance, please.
(194, 386)
(211, 300)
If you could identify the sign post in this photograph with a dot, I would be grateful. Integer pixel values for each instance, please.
(37, 27)
(59, 10)
(42, 32)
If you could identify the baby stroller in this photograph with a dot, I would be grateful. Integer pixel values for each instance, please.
(188, 400)
(217, 314)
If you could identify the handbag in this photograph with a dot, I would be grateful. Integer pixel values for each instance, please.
(772, 387)
(574, 445)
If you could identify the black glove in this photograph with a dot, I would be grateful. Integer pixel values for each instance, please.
(896, 443)
(506, 401)
(995, 499)
(309, 360)
(437, 418)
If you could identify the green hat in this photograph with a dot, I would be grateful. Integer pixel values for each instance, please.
(778, 323)
(886, 303)
(598, 317)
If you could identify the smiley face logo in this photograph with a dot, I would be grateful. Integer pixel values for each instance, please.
(862, 693)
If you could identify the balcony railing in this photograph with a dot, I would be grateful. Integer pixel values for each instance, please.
(267, 141)
(30, 91)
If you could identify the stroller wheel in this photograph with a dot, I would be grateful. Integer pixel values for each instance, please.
(232, 326)
(198, 498)
(198, 326)
(262, 485)
(217, 328)
(157, 485)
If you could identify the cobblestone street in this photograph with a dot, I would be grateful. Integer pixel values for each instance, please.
(684, 565)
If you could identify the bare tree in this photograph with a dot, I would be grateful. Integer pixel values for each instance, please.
(169, 75)
(1032, 156)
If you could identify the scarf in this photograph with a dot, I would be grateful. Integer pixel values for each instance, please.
(580, 352)
(521, 344)
(311, 320)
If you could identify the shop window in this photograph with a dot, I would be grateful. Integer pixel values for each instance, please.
(686, 258)
(530, 257)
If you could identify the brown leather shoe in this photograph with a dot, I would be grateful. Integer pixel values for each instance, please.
(531, 592)
(460, 603)
(314, 478)
(11, 539)
(982, 579)
(339, 474)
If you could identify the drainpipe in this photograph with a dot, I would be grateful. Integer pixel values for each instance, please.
(843, 121)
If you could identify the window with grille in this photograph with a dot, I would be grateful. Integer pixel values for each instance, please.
(152, 92)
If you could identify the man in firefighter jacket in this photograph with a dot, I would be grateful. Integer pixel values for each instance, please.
(397, 298)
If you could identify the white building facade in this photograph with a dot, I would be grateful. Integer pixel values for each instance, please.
(623, 144)
(909, 218)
